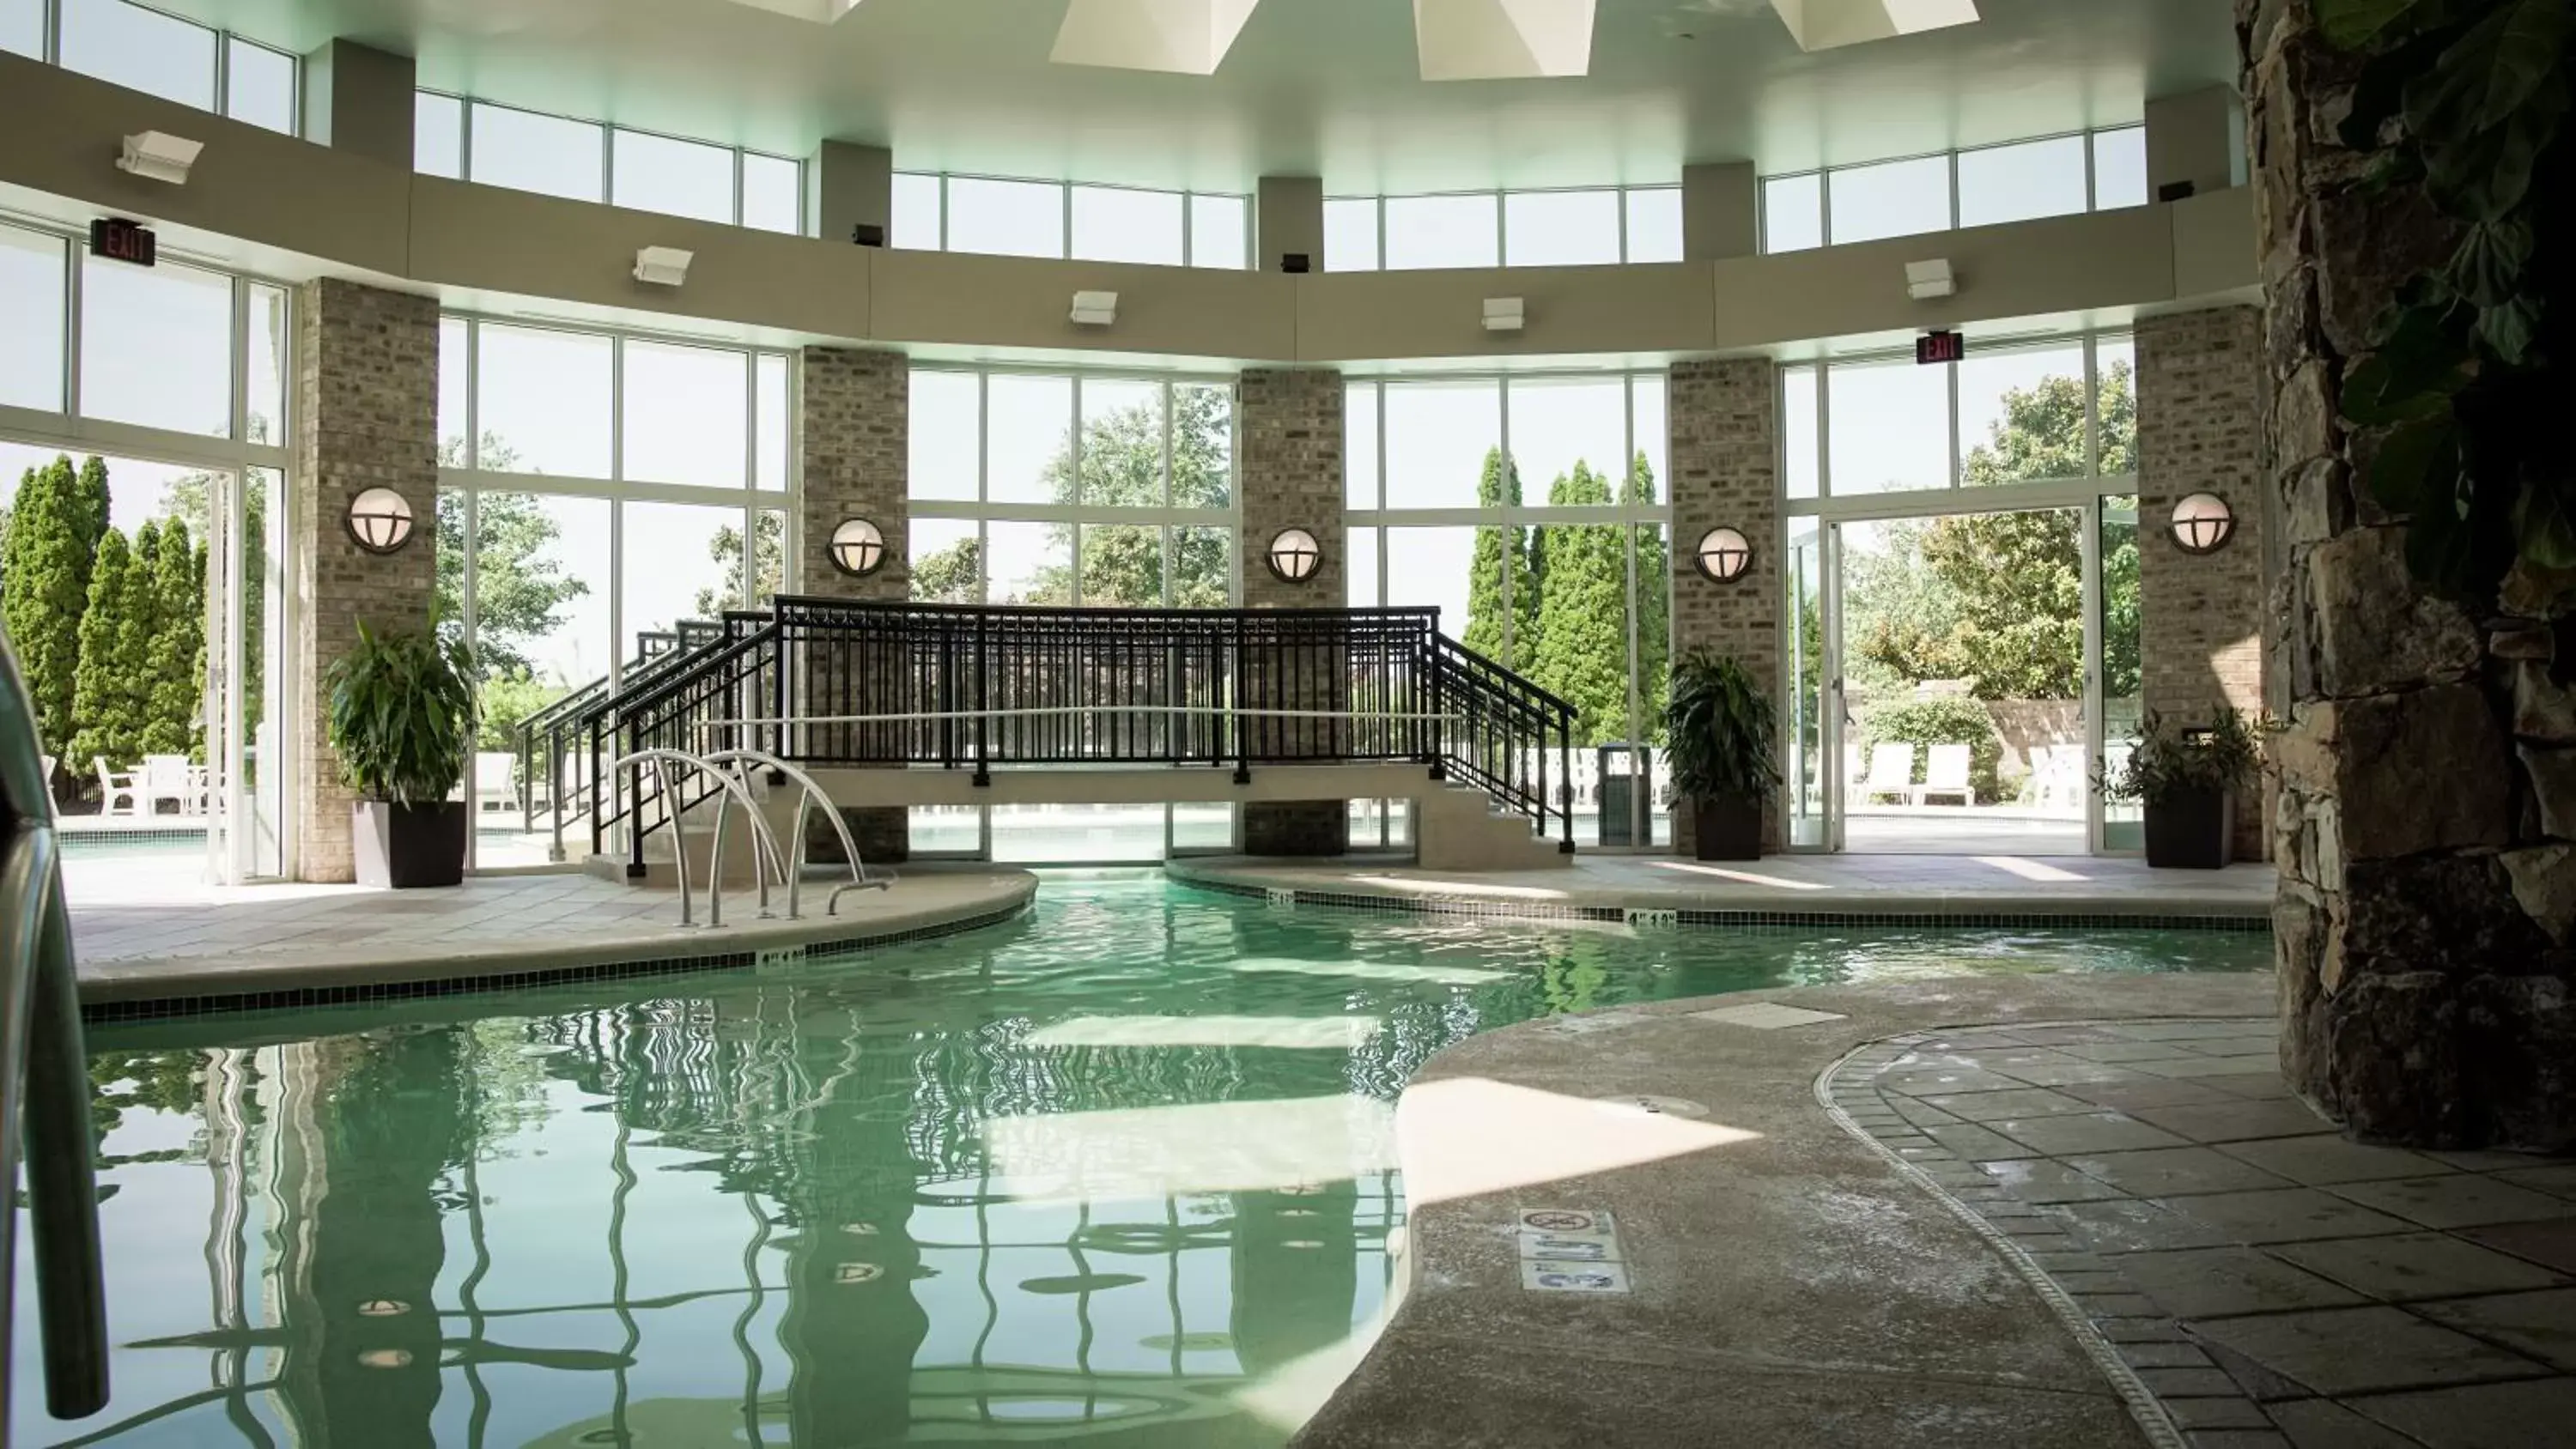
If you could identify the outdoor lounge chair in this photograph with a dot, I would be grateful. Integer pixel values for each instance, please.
(115, 785)
(1945, 772)
(1891, 772)
(493, 786)
(172, 778)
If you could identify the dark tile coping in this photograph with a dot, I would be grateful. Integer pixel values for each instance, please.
(166, 1007)
(1789, 920)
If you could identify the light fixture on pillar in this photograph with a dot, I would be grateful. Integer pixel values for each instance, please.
(1294, 555)
(2203, 523)
(1724, 554)
(858, 547)
(380, 520)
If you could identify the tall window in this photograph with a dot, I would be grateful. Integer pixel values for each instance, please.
(596, 488)
(1600, 226)
(1532, 512)
(1000, 217)
(499, 145)
(159, 54)
(2026, 412)
(2017, 181)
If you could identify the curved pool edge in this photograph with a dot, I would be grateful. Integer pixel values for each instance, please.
(915, 907)
(1799, 1284)
(1606, 889)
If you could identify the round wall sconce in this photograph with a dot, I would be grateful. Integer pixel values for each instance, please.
(1724, 554)
(380, 520)
(1294, 555)
(858, 547)
(2202, 523)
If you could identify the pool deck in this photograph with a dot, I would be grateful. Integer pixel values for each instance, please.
(2056, 1210)
(147, 931)
(2003, 886)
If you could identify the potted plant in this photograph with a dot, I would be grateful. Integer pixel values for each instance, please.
(1722, 725)
(402, 723)
(2187, 778)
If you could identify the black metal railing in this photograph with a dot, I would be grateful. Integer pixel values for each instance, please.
(551, 764)
(960, 686)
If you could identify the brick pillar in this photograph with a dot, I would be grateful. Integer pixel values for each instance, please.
(1289, 425)
(1725, 421)
(854, 444)
(2200, 430)
(366, 364)
(2427, 904)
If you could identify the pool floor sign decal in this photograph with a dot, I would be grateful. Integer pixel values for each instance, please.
(1571, 1250)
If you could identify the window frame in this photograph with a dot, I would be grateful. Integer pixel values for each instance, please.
(1501, 198)
(1064, 198)
(220, 81)
(609, 132)
(2091, 136)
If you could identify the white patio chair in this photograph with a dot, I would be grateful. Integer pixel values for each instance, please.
(1945, 772)
(493, 789)
(1891, 772)
(172, 778)
(115, 785)
(2061, 778)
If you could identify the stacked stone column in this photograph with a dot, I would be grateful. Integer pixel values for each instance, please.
(854, 443)
(2200, 430)
(366, 363)
(1725, 459)
(2428, 789)
(1289, 432)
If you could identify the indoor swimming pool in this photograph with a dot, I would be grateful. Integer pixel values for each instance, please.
(1120, 1171)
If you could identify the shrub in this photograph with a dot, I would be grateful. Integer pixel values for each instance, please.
(1943, 722)
(2171, 759)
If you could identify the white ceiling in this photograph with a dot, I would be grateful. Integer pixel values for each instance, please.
(1329, 87)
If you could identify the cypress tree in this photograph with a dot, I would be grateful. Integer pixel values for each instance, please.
(89, 501)
(103, 693)
(174, 676)
(44, 589)
(1501, 564)
(1582, 632)
(1654, 602)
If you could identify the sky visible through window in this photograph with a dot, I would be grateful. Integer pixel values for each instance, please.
(2015, 182)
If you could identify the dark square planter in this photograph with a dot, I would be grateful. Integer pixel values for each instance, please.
(404, 846)
(1727, 828)
(2192, 831)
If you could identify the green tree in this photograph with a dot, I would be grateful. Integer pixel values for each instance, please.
(1581, 639)
(519, 588)
(108, 689)
(950, 575)
(44, 589)
(89, 493)
(1654, 602)
(1122, 466)
(1499, 576)
(769, 547)
(175, 659)
(509, 696)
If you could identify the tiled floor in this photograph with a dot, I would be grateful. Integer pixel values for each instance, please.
(2269, 1282)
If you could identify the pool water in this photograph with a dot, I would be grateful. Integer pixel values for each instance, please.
(1119, 1171)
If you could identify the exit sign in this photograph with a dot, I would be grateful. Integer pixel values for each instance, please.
(120, 240)
(1940, 347)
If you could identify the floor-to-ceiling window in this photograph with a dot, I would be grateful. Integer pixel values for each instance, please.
(595, 489)
(1962, 596)
(1091, 489)
(143, 458)
(1531, 512)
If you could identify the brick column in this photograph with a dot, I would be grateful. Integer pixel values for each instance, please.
(366, 363)
(1725, 421)
(1288, 423)
(854, 443)
(2427, 836)
(2200, 430)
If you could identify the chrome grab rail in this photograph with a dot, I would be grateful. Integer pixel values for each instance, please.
(44, 1079)
(764, 844)
(808, 793)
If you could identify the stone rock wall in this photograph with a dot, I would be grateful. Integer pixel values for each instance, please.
(1725, 451)
(366, 376)
(1288, 428)
(854, 450)
(2427, 903)
(2200, 430)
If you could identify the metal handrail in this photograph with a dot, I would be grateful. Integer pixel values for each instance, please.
(734, 791)
(809, 793)
(44, 1078)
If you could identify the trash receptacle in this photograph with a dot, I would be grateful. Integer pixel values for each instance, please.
(1624, 771)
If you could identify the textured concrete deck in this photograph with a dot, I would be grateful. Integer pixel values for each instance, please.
(1792, 1286)
(146, 930)
(1792, 884)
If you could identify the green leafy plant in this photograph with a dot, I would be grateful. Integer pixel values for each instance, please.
(1945, 722)
(1722, 726)
(2171, 760)
(402, 715)
(2467, 101)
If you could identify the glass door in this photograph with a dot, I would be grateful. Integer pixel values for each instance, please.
(1811, 725)
(247, 758)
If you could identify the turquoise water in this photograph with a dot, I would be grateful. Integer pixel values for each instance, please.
(1116, 1172)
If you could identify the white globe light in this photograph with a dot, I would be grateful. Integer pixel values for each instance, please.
(1295, 555)
(1724, 554)
(858, 547)
(380, 520)
(2202, 523)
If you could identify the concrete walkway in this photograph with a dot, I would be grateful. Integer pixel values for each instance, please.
(2018, 887)
(1786, 1282)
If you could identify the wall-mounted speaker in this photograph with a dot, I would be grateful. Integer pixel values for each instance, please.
(868, 234)
(2175, 190)
(1295, 262)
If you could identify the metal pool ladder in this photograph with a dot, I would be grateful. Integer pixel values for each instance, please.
(731, 770)
(44, 1078)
